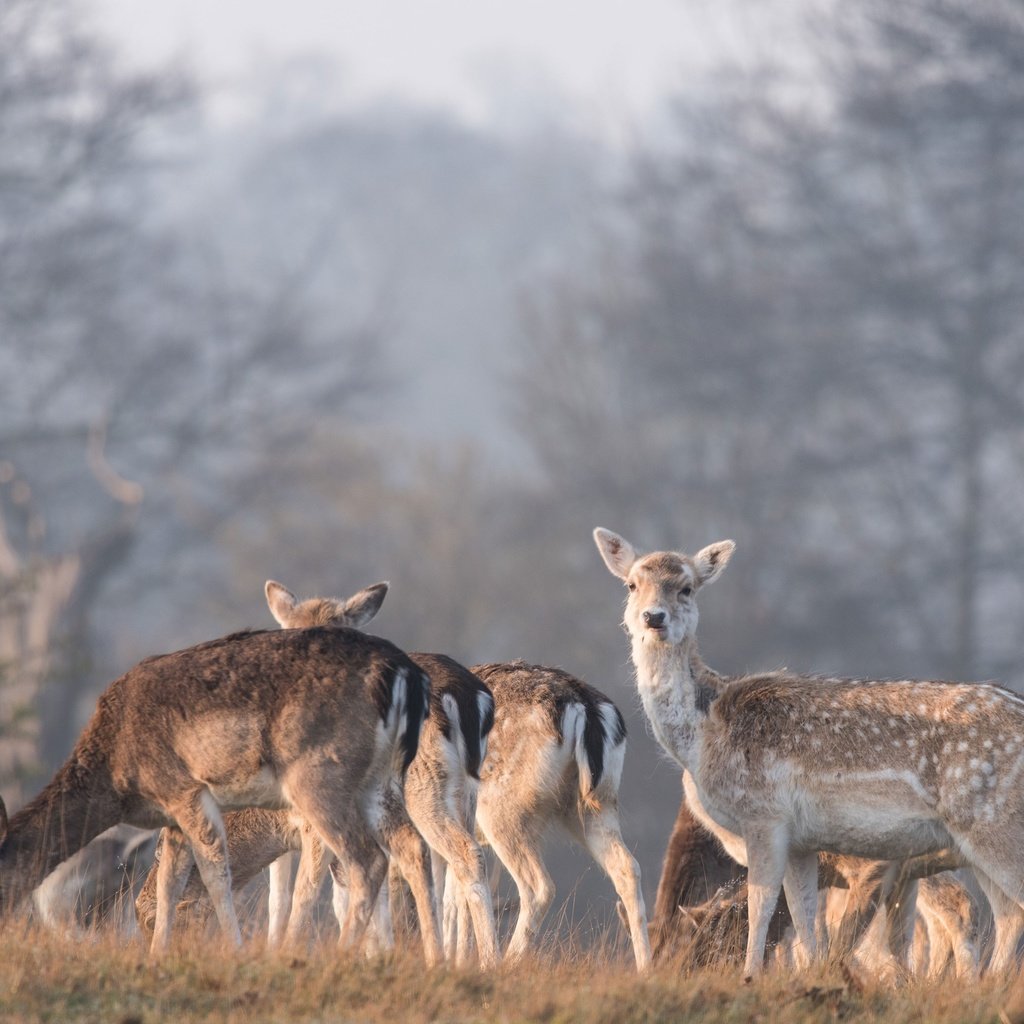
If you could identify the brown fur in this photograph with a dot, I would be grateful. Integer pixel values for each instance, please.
(241, 721)
(694, 869)
(535, 777)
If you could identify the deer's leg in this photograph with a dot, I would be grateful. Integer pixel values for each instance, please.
(965, 953)
(339, 898)
(516, 840)
(801, 884)
(449, 913)
(603, 837)
(173, 865)
(362, 877)
(767, 852)
(314, 860)
(466, 863)
(380, 936)
(199, 819)
(901, 906)
(938, 946)
(280, 902)
(410, 852)
(438, 870)
(358, 863)
(1008, 920)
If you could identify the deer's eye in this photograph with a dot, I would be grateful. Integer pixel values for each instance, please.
(686, 591)
(632, 587)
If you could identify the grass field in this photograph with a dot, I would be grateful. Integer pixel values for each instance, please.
(44, 978)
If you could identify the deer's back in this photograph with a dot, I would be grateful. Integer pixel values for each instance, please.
(249, 704)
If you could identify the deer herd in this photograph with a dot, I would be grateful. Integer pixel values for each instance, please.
(882, 809)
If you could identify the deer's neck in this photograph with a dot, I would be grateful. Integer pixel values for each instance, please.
(676, 688)
(76, 806)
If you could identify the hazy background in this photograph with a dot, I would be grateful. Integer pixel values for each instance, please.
(425, 292)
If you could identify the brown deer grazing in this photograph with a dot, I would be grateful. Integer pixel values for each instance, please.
(781, 766)
(95, 888)
(440, 796)
(694, 870)
(323, 720)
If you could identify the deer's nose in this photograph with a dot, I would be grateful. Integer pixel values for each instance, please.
(654, 620)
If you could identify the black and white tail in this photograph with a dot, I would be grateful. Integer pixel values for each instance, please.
(598, 733)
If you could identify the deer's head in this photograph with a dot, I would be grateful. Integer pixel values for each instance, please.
(661, 605)
(354, 612)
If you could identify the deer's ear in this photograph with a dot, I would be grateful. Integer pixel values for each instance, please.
(710, 561)
(361, 607)
(281, 601)
(618, 554)
(687, 922)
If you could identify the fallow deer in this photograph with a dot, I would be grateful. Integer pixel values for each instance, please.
(96, 887)
(323, 720)
(781, 766)
(555, 759)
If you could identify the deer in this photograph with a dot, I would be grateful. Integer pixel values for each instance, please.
(96, 886)
(555, 760)
(780, 766)
(325, 721)
(440, 798)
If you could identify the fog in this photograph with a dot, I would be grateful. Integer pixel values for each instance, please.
(384, 338)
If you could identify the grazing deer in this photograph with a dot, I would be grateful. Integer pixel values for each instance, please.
(781, 766)
(555, 758)
(96, 886)
(323, 720)
(694, 871)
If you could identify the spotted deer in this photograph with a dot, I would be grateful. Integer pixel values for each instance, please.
(781, 766)
(555, 761)
(324, 720)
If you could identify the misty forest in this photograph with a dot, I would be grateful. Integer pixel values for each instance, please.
(335, 344)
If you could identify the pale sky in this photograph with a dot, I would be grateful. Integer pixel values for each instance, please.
(613, 59)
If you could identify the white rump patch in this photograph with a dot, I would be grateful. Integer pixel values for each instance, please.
(455, 746)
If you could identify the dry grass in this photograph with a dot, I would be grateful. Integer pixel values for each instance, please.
(44, 978)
